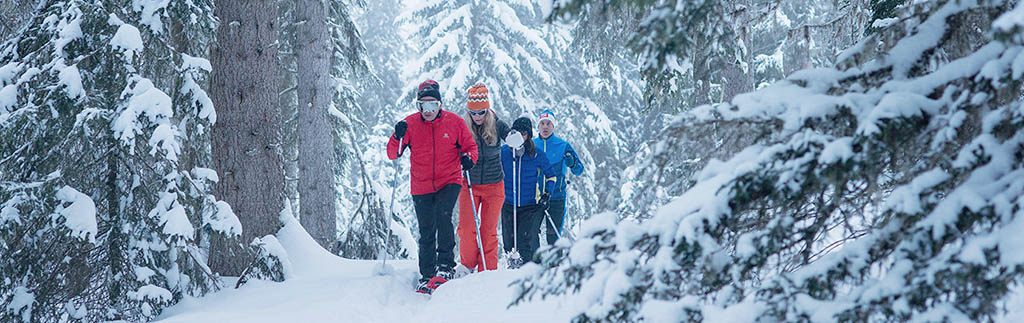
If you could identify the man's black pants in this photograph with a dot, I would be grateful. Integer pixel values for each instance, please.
(437, 235)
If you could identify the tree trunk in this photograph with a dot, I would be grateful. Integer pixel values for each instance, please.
(736, 79)
(246, 140)
(316, 149)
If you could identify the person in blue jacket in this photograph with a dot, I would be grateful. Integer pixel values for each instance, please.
(534, 183)
(561, 155)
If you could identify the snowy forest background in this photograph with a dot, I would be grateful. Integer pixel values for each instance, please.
(792, 160)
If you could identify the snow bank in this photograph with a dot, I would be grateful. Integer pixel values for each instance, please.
(306, 254)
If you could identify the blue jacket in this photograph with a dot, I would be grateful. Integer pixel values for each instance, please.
(555, 149)
(530, 179)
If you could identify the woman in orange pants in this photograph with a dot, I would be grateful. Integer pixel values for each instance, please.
(488, 187)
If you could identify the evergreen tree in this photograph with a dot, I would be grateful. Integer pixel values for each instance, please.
(496, 42)
(103, 214)
(884, 189)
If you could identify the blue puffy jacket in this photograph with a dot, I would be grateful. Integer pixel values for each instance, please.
(555, 149)
(533, 171)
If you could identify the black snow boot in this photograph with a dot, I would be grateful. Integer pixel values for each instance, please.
(445, 272)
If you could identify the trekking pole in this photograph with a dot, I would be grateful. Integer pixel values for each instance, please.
(558, 231)
(391, 213)
(479, 240)
(515, 257)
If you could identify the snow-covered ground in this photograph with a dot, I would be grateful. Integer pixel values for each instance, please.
(324, 288)
(349, 291)
(328, 288)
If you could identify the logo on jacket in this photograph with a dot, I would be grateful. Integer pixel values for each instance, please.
(446, 135)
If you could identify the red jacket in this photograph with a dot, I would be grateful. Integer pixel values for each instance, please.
(436, 148)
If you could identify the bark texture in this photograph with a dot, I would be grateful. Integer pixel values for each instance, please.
(316, 150)
(245, 139)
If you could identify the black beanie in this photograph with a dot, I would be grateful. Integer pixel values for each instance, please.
(523, 125)
(428, 88)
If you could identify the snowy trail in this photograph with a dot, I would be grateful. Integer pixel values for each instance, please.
(355, 295)
(329, 288)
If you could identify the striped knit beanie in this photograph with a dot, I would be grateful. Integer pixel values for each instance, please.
(546, 115)
(478, 98)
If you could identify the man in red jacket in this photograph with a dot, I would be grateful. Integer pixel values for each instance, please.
(442, 147)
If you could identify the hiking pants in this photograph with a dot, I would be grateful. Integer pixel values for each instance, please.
(437, 237)
(488, 200)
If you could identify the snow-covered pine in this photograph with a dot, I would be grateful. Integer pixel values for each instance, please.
(372, 117)
(886, 189)
(102, 214)
(497, 42)
(363, 212)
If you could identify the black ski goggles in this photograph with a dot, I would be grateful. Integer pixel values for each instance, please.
(478, 113)
(428, 106)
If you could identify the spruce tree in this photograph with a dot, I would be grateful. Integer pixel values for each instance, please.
(883, 189)
(103, 213)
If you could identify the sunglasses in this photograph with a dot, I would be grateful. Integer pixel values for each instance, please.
(478, 113)
(429, 106)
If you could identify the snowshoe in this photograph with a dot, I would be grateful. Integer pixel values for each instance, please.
(424, 287)
(436, 282)
(514, 260)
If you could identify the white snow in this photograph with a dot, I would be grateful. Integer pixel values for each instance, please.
(192, 65)
(164, 139)
(273, 247)
(885, 22)
(80, 215)
(9, 209)
(150, 11)
(72, 80)
(836, 151)
(8, 98)
(69, 31)
(325, 287)
(147, 100)
(176, 223)
(151, 292)
(128, 40)
(223, 219)
(22, 302)
(207, 174)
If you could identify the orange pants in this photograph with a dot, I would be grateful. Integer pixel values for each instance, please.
(488, 200)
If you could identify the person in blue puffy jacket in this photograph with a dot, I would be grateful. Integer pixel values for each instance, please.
(529, 181)
(561, 155)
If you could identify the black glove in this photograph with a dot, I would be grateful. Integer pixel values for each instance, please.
(544, 199)
(467, 162)
(400, 128)
(570, 160)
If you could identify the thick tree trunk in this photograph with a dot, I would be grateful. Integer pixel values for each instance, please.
(246, 140)
(316, 149)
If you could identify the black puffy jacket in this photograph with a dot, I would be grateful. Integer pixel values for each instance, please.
(488, 164)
